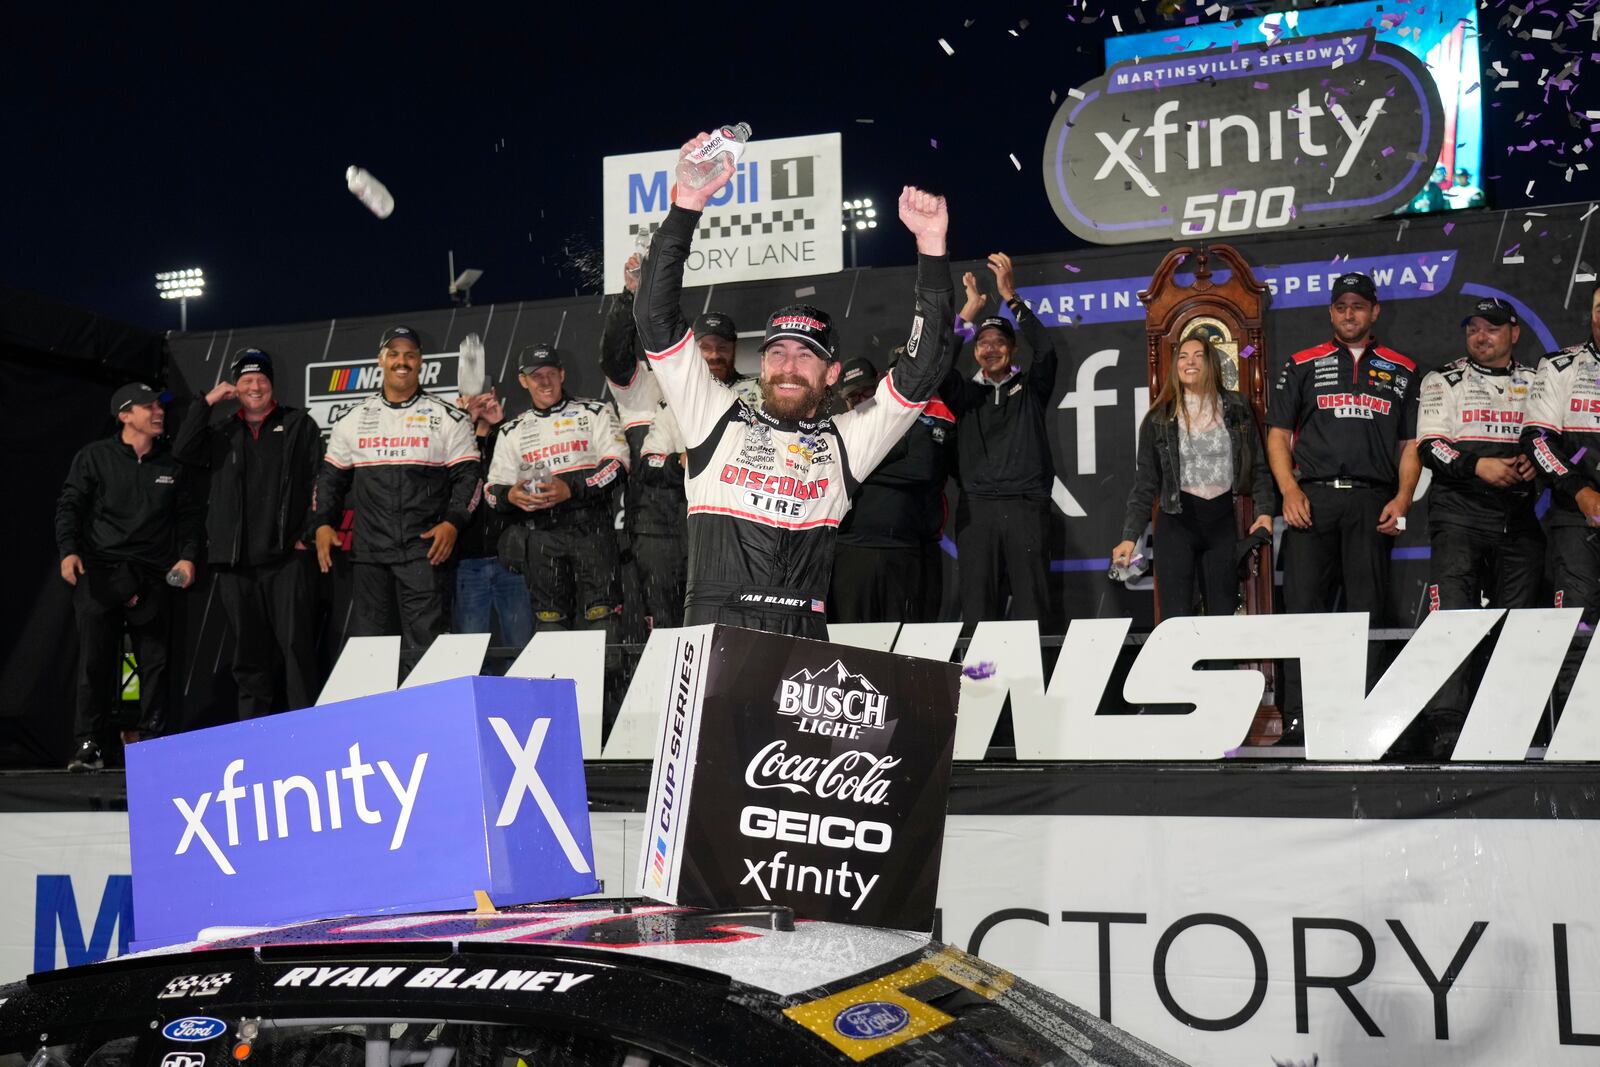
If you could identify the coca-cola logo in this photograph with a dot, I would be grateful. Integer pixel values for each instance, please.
(854, 775)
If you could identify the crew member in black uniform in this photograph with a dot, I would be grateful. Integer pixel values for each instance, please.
(656, 510)
(262, 459)
(126, 523)
(1005, 470)
(887, 565)
(1341, 441)
(768, 486)
(554, 468)
(1561, 434)
(1485, 539)
(408, 462)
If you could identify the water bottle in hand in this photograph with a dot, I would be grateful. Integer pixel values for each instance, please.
(539, 476)
(702, 164)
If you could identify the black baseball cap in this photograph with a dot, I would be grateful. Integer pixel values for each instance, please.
(394, 333)
(538, 355)
(1354, 282)
(1493, 310)
(716, 324)
(857, 375)
(250, 361)
(996, 322)
(132, 394)
(809, 325)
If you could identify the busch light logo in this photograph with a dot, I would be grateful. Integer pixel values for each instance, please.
(832, 701)
(194, 1028)
(872, 1020)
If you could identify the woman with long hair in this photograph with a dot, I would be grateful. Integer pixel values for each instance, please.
(1199, 447)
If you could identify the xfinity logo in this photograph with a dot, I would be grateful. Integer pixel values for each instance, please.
(832, 701)
(319, 803)
(314, 797)
(1299, 132)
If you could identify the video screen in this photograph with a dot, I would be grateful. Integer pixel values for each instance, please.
(1442, 33)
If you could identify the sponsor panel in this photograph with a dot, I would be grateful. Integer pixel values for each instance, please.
(819, 775)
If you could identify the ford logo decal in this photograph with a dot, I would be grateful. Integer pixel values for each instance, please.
(874, 1019)
(194, 1028)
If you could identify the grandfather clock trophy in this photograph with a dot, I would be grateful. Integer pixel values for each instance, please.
(1221, 300)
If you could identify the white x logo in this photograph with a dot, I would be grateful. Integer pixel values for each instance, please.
(197, 828)
(526, 759)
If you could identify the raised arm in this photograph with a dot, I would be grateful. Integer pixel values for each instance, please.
(1042, 371)
(869, 432)
(619, 340)
(697, 399)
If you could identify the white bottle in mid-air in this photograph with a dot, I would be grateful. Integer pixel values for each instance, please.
(370, 191)
(704, 163)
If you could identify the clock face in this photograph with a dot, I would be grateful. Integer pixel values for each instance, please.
(1227, 346)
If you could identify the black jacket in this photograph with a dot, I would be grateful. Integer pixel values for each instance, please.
(219, 448)
(115, 506)
(1001, 440)
(1158, 466)
(902, 504)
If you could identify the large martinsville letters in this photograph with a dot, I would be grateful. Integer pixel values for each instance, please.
(414, 799)
(1060, 721)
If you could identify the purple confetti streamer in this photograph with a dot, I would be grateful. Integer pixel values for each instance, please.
(1448, 227)
(979, 671)
(1247, 351)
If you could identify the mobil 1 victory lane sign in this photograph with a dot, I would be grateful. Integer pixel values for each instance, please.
(1314, 131)
(800, 773)
(778, 218)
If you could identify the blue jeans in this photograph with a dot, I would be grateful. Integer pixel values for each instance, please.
(482, 583)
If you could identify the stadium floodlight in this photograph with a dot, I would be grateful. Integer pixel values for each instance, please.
(859, 215)
(461, 285)
(182, 286)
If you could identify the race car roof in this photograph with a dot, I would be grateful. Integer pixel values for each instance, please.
(764, 948)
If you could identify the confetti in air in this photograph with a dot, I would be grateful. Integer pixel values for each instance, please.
(979, 671)
(946, 46)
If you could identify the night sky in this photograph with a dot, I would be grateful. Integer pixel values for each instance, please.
(142, 140)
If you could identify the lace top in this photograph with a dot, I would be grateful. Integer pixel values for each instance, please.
(1205, 455)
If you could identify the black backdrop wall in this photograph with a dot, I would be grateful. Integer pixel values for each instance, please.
(1429, 269)
(58, 368)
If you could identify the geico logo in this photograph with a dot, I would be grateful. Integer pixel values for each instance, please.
(852, 775)
(810, 828)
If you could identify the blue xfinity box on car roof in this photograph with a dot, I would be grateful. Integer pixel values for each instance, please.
(400, 802)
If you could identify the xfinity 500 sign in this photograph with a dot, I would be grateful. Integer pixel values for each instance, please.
(778, 218)
(1306, 132)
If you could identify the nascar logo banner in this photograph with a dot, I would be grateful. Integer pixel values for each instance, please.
(407, 801)
(800, 773)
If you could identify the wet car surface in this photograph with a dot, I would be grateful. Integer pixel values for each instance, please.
(615, 983)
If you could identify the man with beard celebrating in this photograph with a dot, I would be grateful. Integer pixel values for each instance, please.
(767, 486)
